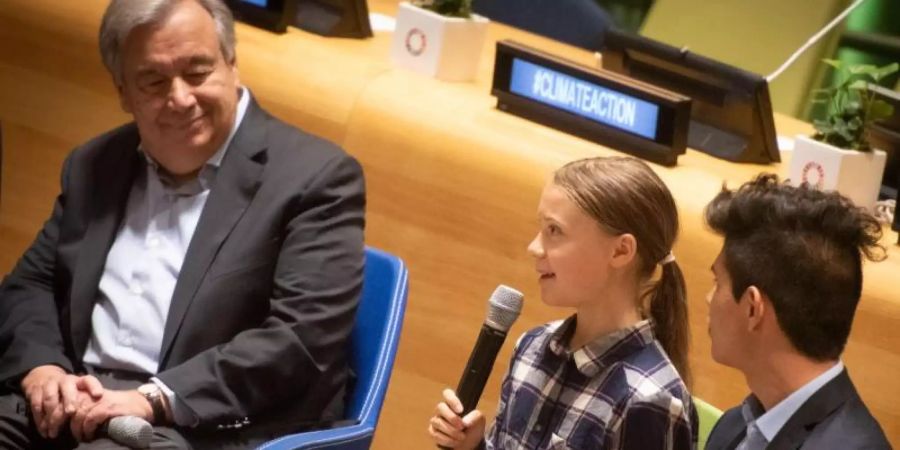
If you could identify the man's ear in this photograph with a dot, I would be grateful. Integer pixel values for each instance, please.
(624, 251)
(755, 307)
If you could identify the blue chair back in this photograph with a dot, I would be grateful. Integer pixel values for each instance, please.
(582, 23)
(374, 340)
(376, 334)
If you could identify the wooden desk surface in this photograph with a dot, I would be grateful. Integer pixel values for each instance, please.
(453, 187)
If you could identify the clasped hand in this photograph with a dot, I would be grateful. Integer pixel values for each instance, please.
(56, 397)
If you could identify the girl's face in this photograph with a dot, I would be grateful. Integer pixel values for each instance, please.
(573, 255)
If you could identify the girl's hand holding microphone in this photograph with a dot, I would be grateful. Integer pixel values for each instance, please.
(449, 430)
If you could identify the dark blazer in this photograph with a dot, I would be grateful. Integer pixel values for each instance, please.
(266, 297)
(833, 418)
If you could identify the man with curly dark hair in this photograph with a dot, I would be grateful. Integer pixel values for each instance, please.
(787, 283)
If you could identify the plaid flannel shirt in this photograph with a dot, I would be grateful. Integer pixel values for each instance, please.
(619, 391)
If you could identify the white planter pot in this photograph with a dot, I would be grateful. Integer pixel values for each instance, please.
(856, 175)
(447, 48)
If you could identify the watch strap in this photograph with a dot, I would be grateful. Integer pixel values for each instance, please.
(154, 397)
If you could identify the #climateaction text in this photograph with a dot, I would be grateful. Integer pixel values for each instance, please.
(587, 98)
(583, 98)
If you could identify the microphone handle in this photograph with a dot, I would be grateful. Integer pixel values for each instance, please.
(478, 369)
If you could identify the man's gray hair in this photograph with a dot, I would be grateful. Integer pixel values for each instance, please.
(123, 16)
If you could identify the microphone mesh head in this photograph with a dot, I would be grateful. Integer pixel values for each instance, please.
(504, 308)
(130, 431)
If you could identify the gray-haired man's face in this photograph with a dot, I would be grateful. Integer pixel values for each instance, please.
(182, 92)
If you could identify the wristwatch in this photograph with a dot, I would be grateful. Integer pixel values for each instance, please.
(153, 394)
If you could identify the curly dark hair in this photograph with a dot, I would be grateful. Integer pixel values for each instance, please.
(803, 249)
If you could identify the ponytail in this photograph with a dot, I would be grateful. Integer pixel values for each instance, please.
(668, 309)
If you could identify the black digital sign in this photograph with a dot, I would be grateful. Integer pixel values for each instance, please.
(604, 107)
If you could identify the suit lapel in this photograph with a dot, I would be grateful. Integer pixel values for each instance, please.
(821, 405)
(110, 176)
(236, 183)
(729, 431)
(736, 440)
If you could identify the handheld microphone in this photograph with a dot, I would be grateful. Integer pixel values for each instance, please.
(504, 307)
(130, 431)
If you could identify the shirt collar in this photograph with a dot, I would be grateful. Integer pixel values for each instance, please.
(604, 350)
(208, 172)
(770, 422)
(243, 102)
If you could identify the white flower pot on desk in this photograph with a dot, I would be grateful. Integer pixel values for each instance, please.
(856, 175)
(447, 48)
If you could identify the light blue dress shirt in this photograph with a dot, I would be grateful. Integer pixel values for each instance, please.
(142, 267)
(770, 423)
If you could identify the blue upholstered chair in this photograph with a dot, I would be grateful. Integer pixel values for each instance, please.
(578, 22)
(374, 346)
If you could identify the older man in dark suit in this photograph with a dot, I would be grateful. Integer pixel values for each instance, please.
(201, 267)
(787, 283)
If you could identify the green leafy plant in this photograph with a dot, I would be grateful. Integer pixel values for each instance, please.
(852, 106)
(450, 8)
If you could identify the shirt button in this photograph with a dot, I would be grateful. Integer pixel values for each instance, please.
(136, 288)
(153, 241)
(538, 427)
(124, 338)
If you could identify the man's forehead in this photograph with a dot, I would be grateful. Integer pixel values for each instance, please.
(190, 59)
(145, 50)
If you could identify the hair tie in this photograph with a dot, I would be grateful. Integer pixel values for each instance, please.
(669, 258)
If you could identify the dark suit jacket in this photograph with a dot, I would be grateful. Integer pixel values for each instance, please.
(266, 297)
(833, 418)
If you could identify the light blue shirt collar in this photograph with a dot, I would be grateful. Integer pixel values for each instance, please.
(771, 422)
(243, 103)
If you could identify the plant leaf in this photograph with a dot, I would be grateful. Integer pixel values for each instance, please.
(848, 135)
(863, 69)
(823, 127)
(844, 84)
(850, 104)
(837, 64)
(852, 108)
(884, 71)
(859, 85)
